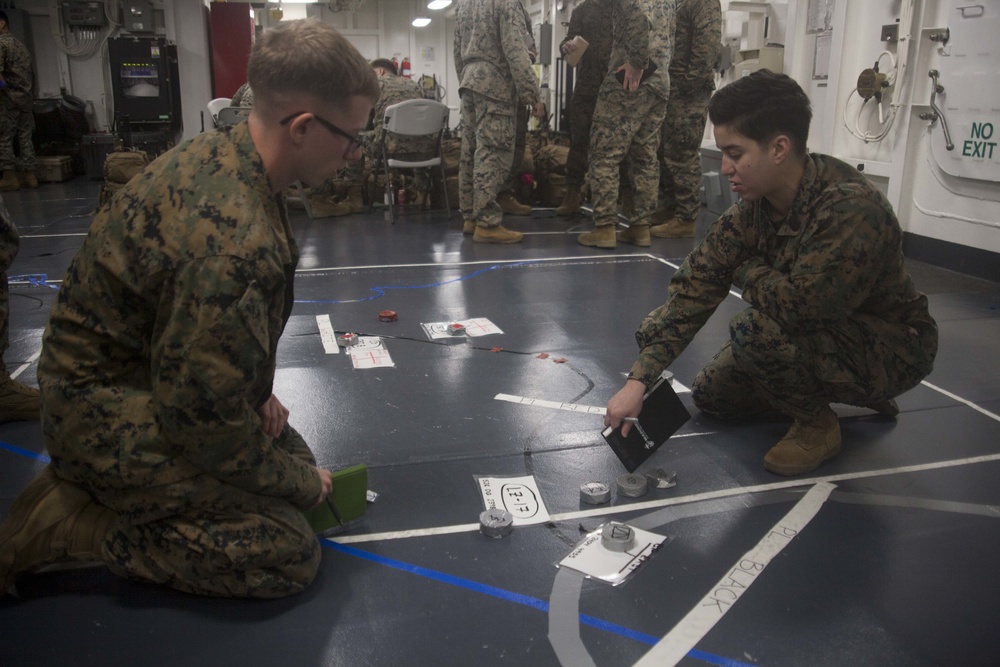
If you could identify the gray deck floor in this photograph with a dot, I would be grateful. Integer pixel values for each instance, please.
(896, 567)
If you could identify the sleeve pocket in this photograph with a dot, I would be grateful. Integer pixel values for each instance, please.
(227, 357)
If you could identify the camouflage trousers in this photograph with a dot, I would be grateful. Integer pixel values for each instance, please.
(227, 542)
(763, 368)
(10, 242)
(626, 126)
(16, 125)
(488, 132)
(402, 148)
(581, 116)
(520, 135)
(680, 154)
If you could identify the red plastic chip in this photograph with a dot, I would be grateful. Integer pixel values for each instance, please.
(387, 316)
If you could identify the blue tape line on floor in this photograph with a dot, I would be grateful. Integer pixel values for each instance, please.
(25, 452)
(534, 603)
(381, 289)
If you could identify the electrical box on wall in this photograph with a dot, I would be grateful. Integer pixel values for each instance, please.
(83, 14)
(146, 82)
(543, 42)
(138, 16)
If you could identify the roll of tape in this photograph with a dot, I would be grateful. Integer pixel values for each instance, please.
(617, 537)
(496, 523)
(595, 493)
(633, 486)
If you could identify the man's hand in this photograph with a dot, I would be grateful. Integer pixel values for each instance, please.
(568, 47)
(538, 110)
(633, 75)
(273, 416)
(626, 403)
(326, 484)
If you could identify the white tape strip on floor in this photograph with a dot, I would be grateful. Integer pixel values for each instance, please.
(700, 620)
(26, 365)
(555, 405)
(679, 500)
(327, 334)
(961, 400)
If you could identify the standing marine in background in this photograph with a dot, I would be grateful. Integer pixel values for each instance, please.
(495, 75)
(697, 42)
(17, 120)
(17, 401)
(591, 20)
(628, 118)
(507, 198)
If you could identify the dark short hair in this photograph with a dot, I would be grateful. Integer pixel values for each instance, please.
(385, 63)
(763, 105)
(3, 17)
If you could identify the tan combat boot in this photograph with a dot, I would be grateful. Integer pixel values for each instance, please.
(51, 520)
(326, 206)
(27, 179)
(18, 402)
(659, 216)
(806, 445)
(603, 236)
(469, 227)
(496, 234)
(510, 206)
(888, 407)
(571, 202)
(9, 181)
(637, 234)
(356, 199)
(673, 229)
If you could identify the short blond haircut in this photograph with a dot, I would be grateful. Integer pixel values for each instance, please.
(307, 57)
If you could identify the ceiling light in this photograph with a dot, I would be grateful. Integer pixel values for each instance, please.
(438, 4)
(420, 22)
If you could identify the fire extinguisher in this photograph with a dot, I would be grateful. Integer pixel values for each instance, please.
(395, 64)
(406, 67)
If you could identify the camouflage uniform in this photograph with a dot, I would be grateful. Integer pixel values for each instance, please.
(10, 242)
(523, 113)
(591, 19)
(16, 118)
(243, 97)
(627, 124)
(697, 42)
(495, 76)
(159, 352)
(392, 90)
(833, 317)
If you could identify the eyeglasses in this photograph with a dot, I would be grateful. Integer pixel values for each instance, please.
(352, 147)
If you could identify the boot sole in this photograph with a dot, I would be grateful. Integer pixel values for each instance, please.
(789, 470)
(499, 241)
(21, 513)
(27, 416)
(603, 246)
(638, 244)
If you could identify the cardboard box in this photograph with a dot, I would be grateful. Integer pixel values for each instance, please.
(54, 168)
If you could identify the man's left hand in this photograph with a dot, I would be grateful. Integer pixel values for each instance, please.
(633, 76)
(273, 416)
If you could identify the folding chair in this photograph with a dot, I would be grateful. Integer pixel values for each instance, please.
(418, 117)
(215, 106)
(232, 115)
